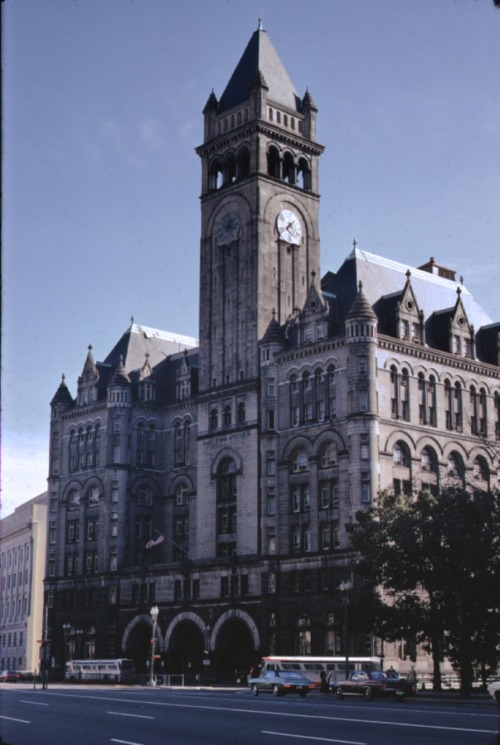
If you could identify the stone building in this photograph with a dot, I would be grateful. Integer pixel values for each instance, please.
(214, 479)
(22, 564)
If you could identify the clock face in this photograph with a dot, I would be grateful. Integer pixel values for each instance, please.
(228, 228)
(289, 227)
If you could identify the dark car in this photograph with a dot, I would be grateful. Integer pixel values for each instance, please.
(9, 676)
(281, 683)
(371, 684)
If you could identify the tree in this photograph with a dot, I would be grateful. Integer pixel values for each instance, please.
(434, 561)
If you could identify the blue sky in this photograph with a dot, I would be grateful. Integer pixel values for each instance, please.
(102, 103)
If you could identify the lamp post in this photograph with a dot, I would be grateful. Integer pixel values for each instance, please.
(66, 629)
(344, 588)
(154, 617)
(79, 639)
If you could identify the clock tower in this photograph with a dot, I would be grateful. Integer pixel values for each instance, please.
(259, 205)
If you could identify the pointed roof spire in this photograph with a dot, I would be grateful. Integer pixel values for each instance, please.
(361, 308)
(120, 376)
(62, 395)
(259, 57)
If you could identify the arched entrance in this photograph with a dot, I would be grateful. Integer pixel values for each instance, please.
(138, 645)
(185, 651)
(234, 651)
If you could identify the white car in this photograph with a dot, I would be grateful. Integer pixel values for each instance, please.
(494, 690)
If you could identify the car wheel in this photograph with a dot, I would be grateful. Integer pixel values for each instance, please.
(255, 690)
(339, 692)
(368, 694)
(276, 691)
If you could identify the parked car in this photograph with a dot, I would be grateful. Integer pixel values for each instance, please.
(494, 690)
(371, 684)
(281, 683)
(9, 676)
(409, 686)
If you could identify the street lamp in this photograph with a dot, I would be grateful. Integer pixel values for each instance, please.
(344, 588)
(154, 617)
(79, 639)
(66, 629)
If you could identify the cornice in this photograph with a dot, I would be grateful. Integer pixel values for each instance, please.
(429, 354)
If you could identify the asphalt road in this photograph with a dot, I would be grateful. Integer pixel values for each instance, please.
(69, 715)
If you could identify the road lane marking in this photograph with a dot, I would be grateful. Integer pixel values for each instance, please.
(291, 715)
(125, 742)
(308, 737)
(13, 719)
(33, 703)
(123, 714)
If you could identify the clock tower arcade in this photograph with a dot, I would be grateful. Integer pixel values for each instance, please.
(259, 204)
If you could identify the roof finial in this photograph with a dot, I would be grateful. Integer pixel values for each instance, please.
(408, 274)
(131, 319)
(355, 244)
(89, 347)
(260, 27)
(360, 286)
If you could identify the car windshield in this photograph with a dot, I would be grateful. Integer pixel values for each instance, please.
(376, 675)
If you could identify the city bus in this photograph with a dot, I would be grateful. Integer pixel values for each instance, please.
(311, 667)
(100, 671)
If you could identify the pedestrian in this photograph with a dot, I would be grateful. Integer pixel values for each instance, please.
(324, 686)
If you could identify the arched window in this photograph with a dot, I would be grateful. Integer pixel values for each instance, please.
(226, 508)
(473, 410)
(181, 495)
(428, 460)
(140, 451)
(457, 407)
(230, 169)
(303, 174)
(74, 500)
(273, 162)
(73, 451)
(187, 442)
(178, 445)
(303, 635)
(455, 466)
(227, 416)
(401, 455)
(215, 177)
(300, 461)
(288, 169)
(482, 413)
(243, 163)
(480, 469)
(328, 455)
(214, 420)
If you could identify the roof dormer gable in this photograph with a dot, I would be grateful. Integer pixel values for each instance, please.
(313, 317)
(409, 318)
(461, 332)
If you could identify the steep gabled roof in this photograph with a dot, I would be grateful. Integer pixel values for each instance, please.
(139, 341)
(259, 61)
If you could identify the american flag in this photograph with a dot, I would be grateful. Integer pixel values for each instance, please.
(155, 541)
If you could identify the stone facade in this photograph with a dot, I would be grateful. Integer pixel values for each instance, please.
(215, 479)
(22, 563)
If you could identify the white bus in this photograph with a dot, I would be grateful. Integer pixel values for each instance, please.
(311, 667)
(100, 671)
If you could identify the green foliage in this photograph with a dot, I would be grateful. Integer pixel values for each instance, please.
(435, 563)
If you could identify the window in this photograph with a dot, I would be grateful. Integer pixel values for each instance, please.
(271, 500)
(328, 455)
(214, 420)
(271, 462)
(300, 461)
